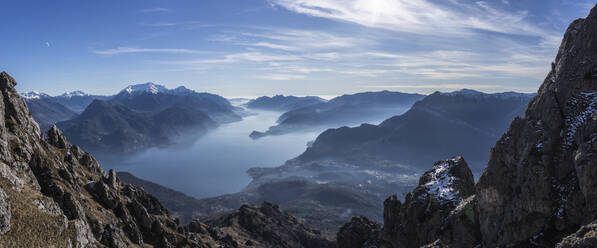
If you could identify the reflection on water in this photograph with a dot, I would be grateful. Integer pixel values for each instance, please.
(216, 163)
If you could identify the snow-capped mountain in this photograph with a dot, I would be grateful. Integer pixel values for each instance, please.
(33, 95)
(144, 88)
(73, 94)
(154, 89)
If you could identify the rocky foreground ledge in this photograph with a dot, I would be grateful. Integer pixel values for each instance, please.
(53, 194)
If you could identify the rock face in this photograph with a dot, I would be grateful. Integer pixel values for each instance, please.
(540, 182)
(53, 194)
(359, 233)
(443, 194)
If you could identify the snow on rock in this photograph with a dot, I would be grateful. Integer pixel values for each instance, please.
(448, 180)
(441, 183)
(583, 107)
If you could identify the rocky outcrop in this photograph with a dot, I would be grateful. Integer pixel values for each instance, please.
(540, 182)
(265, 226)
(441, 207)
(360, 232)
(585, 237)
(53, 194)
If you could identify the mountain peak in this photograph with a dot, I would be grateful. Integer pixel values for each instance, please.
(73, 94)
(33, 95)
(148, 87)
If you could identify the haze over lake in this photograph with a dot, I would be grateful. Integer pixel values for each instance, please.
(226, 152)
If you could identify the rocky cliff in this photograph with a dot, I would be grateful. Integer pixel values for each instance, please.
(53, 194)
(539, 186)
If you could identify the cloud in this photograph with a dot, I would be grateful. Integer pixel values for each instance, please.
(125, 50)
(292, 39)
(47, 44)
(155, 10)
(423, 17)
(280, 77)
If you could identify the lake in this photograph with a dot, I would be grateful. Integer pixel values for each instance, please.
(216, 163)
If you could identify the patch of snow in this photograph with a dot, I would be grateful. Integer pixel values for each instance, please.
(441, 183)
(587, 101)
(145, 88)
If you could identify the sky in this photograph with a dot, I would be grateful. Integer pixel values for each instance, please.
(248, 48)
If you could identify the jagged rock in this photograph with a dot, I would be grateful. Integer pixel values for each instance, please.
(112, 238)
(419, 220)
(56, 138)
(540, 183)
(4, 212)
(359, 233)
(585, 237)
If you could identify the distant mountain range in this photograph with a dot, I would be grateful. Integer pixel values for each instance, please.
(283, 103)
(464, 122)
(343, 110)
(138, 117)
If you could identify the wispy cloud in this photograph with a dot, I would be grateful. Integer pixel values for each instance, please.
(280, 77)
(154, 10)
(125, 50)
(448, 18)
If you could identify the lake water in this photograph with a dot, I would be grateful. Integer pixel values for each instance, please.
(216, 163)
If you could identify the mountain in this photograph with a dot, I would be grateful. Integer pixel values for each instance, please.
(538, 188)
(350, 171)
(110, 128)
(343, 110)
(77, 101)
(463, 122)
(53, 194)
(143, 116)
(46, 110)
(283, 103)
(152, 98)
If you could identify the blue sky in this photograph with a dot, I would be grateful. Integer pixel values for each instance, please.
(299, 47)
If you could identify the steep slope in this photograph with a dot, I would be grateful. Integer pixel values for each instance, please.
(53, 194)
(463, 122)
(343, 110)
(180, 205)
(283, 103)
